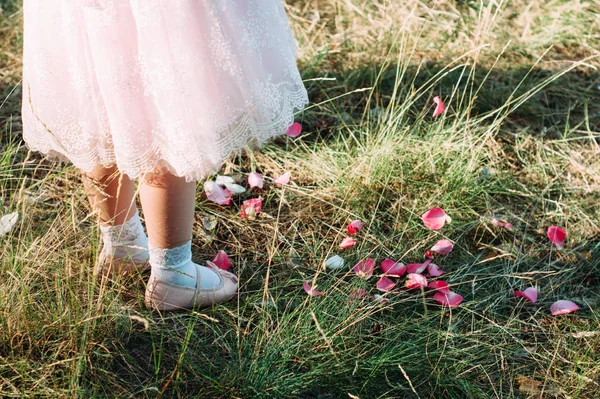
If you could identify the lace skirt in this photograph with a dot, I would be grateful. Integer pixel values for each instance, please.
(180, 84)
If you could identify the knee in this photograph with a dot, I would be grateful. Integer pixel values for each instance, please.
(100, 173)
(159, 177)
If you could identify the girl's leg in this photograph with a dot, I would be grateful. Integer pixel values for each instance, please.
(168, 202)
(112, 197)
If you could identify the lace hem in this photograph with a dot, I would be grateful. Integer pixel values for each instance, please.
(248, 133)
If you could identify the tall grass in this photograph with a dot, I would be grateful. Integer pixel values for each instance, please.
(519, 140)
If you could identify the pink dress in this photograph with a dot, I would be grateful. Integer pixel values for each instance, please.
(181, 84)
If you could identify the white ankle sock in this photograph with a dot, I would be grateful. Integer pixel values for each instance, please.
(126, 241)
(175, 266)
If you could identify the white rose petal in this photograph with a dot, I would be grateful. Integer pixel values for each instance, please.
(7, 222)
(235, 188)
(335, 262)
(224, 180)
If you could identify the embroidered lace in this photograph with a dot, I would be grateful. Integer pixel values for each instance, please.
(171, 258)
(125, 241)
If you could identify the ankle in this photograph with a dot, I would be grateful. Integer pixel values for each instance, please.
(175, 265)
(127, 240)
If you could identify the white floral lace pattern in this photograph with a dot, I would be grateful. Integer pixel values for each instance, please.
(125, 241)
(146, 83)
(173, 257)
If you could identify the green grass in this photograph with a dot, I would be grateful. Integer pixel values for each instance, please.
(519, 140)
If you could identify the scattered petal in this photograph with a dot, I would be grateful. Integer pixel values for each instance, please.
(364, 268)
(417, 267)
(439, 285)
(500, 223)
(435, 218)
(354, 226)
(209, 221)
(310, 290)
(385, 284)
(7, 222)
(428, 254)
(348, 242)
(529, 293)
(235, 188)
(416, 280)
(450, 299)
(222, 260)
(294, 130)
(391, 268)
(335, 262)
(439, 108)
(380, 298)
(434, 270)
(557, 236)
(443, 247)
(215, 193)
(283, 179)
(255, 179)
(224, 180)
(563, 307)
(251, 207)
(357, 294)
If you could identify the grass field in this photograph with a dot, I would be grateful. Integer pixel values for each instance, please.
(519, 140)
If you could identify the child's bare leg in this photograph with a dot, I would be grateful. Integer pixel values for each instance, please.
(168, 202)
(112, 197)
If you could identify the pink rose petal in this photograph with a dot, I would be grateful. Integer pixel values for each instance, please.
(500, 223)
(354, 226)
(443, 247)
(428, 254)
(529, 293)
(283, 179)
(357, 294)
(222, 260)
(439, 285)
(417, 267)
(215, 193)
(310, 290)
(415, 280)
(251, 207)
(364, 268)
(385, 284)
(563, 307)
(294, 130)
(434, 270)
(255, 179)
(557, 236)
(348, 242)
(435, 218)
(450, 299)
(391, 268)
(439, 109)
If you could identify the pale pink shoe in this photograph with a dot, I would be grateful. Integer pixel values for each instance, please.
(111, 267)
(168, 296)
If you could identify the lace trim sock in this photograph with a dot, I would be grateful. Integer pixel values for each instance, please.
(175, 266)
(126, 241)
